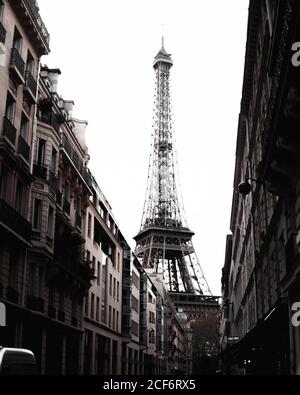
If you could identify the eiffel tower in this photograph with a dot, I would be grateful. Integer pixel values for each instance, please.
(164, 243)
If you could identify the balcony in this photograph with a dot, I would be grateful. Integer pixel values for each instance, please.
(24, 149)
(40, 171)
(2, 34)
(83, 171)
(41, 26)
(12, 295)
(9, 131)
(14, 221)
(67, 207)
(49, 118)
(17, 66)
(35, 304)
(30, 87)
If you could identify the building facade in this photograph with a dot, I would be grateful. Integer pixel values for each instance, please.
(260, 282)
(103, 304)
(23, 40)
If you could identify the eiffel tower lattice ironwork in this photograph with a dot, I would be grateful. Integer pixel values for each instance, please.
(164, 243)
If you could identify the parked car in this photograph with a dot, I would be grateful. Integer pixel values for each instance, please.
(16, 361)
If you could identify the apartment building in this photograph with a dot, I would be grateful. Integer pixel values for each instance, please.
(23, 40)
(57, 274)
(132, 349)
(103, 304)
(260, 282)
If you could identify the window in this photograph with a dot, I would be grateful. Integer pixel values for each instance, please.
(74, 307)
(104, 292)
(32, 280)
(41, 282)
(94, 265)
(78, 207)
(19, 197)
(150, 298)
(4, 182)
(110, 285)
(86, 305)
(10, 108)
(24, 128)
(118, 268)
(37, 204)
(114, 319)
(89, 225)
(13, 270)
(51, 296)
(117, 323)
(93, 306)
(50, 221)
(67, 193)
(41, 147)
(53, 160)
(17, 41)
(98, 273)
(135, 280)
(61, 301)
(134, 328)
(114, 289)
(30, 63)
(152, 336)
(135, 303)
(151, 317)
(98, 309)
(109, 316)
(118, 291)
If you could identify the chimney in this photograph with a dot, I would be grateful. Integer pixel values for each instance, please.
(69, 104)
(79, 131)
(53, 75)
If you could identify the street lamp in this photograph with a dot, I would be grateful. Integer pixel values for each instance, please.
(245, 187)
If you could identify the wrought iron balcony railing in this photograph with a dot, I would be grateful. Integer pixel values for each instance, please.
(50, 119)
(30, 83)
(76, 161)
(17, 61)
(14, 221)
(9, 130)
(2, 34)
(35, 12)
(24, 148)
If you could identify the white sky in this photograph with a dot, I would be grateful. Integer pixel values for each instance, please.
(105, 50)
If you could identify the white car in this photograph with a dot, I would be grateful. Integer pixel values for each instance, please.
(16, 361)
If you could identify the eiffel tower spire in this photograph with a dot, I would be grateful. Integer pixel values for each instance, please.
(164, 243)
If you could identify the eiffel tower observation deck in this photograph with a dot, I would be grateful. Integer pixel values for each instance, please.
(164, 243)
